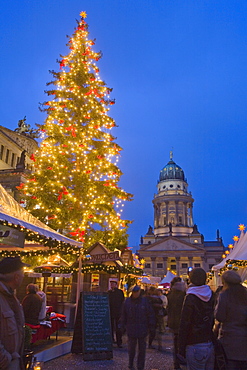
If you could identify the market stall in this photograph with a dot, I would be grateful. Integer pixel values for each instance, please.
(235, 258)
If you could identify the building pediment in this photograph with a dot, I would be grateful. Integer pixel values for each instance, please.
(171, 244)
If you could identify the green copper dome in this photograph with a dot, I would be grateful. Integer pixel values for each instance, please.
(172, 172)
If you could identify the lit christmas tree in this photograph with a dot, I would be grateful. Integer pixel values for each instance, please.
(75, 185)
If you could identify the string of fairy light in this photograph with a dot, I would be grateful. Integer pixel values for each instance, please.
(77, 141)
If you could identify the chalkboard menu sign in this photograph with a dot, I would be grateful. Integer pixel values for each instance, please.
(93, 319)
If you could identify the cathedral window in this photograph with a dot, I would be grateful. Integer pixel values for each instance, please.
(1, 153)
(173, 267)
(12, 159)
(7, 156)
(147, 265)
(197, 265)
(159, 265)
(184, 265)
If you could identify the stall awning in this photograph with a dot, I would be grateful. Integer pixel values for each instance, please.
(11, 211)
(40, 230)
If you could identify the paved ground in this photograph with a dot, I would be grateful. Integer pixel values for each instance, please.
(155, 360)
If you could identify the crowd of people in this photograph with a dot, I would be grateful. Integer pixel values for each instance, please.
(209, 329)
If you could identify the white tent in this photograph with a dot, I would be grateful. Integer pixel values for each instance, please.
(11, 211)
(168, 278)
(238, 253)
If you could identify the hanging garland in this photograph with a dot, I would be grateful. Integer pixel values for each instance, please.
(33, 253)
(89, 268)
(30, 235)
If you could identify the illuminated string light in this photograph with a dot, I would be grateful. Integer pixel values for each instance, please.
(76, 180)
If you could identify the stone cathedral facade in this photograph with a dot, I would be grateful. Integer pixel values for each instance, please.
(174, 242)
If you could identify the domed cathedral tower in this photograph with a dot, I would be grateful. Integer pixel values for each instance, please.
(175, 243)
(173, 204)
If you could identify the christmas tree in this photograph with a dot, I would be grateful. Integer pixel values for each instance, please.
(75, 184)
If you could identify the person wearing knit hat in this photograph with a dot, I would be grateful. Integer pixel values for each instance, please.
(196, 324)
(231, 313)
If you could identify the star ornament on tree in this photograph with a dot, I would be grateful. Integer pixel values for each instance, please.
(83, 14)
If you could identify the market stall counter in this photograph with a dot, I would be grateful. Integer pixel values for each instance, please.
(47, 327)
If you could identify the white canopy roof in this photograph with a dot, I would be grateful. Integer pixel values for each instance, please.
(11, 211)
(168, 278)
(239, 252)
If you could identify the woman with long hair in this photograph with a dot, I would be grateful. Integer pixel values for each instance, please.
(231, 312)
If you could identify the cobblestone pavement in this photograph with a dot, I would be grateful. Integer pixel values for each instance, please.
(155, 360)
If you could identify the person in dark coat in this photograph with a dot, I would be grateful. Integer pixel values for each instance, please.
(175, 299)
(31, 304)
(11, 314)
(137, 318)
(195, 335)
(157, 304)
(231, 312)
(116, 299)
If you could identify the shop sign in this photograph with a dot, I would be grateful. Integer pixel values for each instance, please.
(11, 236)
(112, 256)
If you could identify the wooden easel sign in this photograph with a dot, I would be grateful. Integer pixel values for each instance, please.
(92, 334)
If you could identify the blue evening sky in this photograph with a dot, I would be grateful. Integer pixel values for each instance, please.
(178, 73)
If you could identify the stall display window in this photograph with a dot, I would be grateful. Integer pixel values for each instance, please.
(95, 281)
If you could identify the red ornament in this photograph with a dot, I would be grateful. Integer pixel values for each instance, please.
(62, 63)
(21, 186)
(63, 192)
(72, 129)
(51, 217)
(32, 157)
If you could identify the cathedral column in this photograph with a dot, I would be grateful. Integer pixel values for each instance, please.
(190, 215)
(185, 214)
(167, 208)
(190, 261)
(178, 265)
(153, 259)
(165, 264)
(176, 212)
(155, 216)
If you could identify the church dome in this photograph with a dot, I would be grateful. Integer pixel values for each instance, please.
(172, 172)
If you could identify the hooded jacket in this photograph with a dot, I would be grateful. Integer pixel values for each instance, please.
(197, 317)
(11, 330)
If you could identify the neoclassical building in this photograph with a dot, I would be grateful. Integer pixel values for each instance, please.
(16, 148)
(174, 242)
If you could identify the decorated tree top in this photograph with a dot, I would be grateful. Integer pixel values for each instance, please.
(75, 185)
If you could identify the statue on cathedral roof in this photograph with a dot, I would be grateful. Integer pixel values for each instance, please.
(25, 129)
